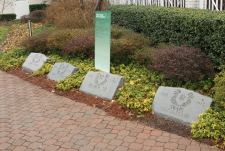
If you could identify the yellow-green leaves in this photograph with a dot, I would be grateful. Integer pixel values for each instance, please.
(210, 125)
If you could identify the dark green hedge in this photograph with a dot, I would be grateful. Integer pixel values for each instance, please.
(37, 7)
(199, 28)
(7, 17)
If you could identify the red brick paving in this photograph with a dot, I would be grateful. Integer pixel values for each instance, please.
(32, 119)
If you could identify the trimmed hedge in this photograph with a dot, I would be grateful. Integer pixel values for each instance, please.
(34, 7)
(199, 28)
(7, 17)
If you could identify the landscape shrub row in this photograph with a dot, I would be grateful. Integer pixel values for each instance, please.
(199, 28)
(7, 17)
(176, 63)
(35, 7)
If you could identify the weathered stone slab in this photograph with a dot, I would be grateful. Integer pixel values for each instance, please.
(61, 70)
(101, 84)
(34, 62)
(180, 104)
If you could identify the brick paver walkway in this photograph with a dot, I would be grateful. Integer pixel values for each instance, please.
(34, 119)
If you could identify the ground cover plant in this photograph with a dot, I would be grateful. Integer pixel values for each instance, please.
(211, 124)
(12, 59)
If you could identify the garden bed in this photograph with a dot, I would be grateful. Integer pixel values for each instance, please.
(131, 58)
(112, 108)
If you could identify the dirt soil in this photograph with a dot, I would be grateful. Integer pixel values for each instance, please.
(110, 107)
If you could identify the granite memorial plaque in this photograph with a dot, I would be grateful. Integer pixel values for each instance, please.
(101, 84)
(34, 62)
(180, 104)
(61, 70)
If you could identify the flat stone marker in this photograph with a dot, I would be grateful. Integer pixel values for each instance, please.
(61, 70)
(34, 62)
(180, 104)
(101, 84)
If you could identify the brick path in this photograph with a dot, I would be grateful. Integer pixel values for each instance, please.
(34, 119)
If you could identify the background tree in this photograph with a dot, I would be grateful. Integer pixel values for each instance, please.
(101, 5)
(5, 4)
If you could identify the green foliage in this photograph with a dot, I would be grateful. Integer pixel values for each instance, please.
(75, 80)
(140, 83)
(47, 67)
(139, 88)
(219, 89)
(12, 59)
(128, 45)
(210, 125)
(7, 17)
(199, 28)
(35, 7)
(3, 32)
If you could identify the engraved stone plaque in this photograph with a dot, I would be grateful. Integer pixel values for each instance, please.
(101, 84)
(61, 70)
(34, 62)
(180, 104)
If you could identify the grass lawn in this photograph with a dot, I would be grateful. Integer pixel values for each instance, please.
(3, 32)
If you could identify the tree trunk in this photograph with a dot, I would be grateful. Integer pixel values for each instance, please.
(101, 5)
(82, 4)
(3, 7)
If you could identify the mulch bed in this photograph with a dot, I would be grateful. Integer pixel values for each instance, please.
(110, 107)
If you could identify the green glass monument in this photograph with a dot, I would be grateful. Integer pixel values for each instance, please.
(102, 40)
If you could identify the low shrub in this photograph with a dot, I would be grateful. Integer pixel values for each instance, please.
(125, 44)
(58, 39)
(25, 18)
(210, 125)
(80, 45)
(35, 17)
(35, 7)
(182, 63)
(69, 14)
(37, 43)
(7, 17)
(202, 29)
(55, 40)
(219, 89)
